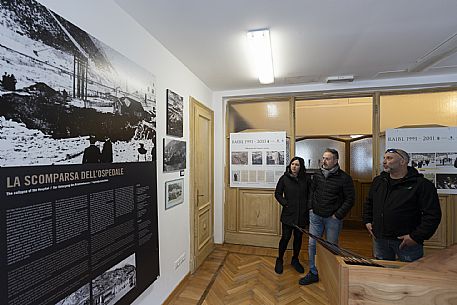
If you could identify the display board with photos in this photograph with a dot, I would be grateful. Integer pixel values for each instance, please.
(257, 159)
(175, 108)
(432, 151)
(78, 213)
(174, 193)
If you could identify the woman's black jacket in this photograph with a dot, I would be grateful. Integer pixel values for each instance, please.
(292, 193)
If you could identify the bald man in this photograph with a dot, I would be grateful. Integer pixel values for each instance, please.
(402, 209)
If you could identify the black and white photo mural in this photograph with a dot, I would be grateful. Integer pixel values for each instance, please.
(175, 107)
(77, 164)
(61, 87)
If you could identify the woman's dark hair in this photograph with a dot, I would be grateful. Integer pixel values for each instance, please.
(302, 171)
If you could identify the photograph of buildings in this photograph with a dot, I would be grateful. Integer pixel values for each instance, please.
(113, 284)
(79, 297)
(174, 193)
(275, 157)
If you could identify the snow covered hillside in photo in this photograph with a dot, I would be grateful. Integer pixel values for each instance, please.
(21, 146)
(59, 85)
(39, 48)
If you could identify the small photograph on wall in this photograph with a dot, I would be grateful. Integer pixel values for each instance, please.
(447, 159)
(240, 157)
(236, 176)
(257, 158)
(174, 155)
(275, 157)
(175, 107)
(423, 160)
(114, 283)
(174, 193)
(447, 182)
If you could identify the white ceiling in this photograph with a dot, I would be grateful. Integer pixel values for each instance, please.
(311, 40)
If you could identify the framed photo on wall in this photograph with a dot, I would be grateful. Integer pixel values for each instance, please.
(174, 155)
(174, 114)
(174, 193)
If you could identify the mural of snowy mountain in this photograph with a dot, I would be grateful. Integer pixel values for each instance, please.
(59, 82)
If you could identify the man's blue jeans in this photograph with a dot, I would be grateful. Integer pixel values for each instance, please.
(317, 225)
(389, 249)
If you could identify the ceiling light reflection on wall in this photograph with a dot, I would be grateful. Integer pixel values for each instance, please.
(272, 110)
(260, 47)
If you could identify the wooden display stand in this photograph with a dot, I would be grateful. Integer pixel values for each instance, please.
(431, 280)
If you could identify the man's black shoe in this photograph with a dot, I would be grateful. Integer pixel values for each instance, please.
(278, 266)
(296, 263)
(309, 279)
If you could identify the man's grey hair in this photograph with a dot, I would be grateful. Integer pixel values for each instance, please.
(334, 152)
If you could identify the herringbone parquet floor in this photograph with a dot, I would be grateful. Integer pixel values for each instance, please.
(235, 274)
(250, 279)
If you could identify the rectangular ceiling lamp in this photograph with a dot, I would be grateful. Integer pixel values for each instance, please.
(260, 46)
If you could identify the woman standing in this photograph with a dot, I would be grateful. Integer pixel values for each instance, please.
(292, 193)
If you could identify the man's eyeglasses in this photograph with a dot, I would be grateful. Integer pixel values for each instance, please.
(398, 152)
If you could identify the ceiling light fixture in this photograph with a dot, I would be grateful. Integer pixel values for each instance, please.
(339, 79)
(260, 46)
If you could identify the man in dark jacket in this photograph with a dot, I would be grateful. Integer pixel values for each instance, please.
(402, 209)
(92, 152)
(332, 197)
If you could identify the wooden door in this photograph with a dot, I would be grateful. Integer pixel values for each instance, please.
(202, 182)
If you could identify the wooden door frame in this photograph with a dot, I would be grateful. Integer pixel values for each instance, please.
(192, 178)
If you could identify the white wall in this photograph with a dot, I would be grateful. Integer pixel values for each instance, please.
(220, 99)
(106, 21)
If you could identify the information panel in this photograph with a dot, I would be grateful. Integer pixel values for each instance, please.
(78, 211)
(432, 151)
(78, 234)
(257, 159)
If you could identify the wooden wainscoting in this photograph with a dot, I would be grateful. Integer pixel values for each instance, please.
(446, 234)
(252, 217)
(354, 218)
(439, 239)
(452, 220)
